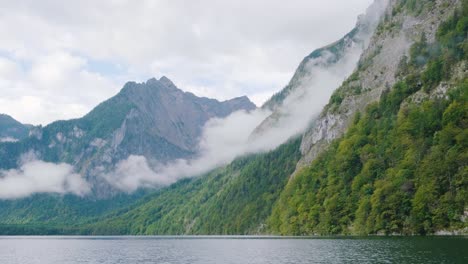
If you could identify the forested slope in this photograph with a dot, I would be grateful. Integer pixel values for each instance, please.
(401, 167)
(236, 199)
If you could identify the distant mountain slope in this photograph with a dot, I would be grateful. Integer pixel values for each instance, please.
(60, 210)
(154, 119)
(12, 130)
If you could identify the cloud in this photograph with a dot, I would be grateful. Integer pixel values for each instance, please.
(135, 172)
(69, 56)
(36, 176)
(225, 139)
(8, 139)
(53, 86)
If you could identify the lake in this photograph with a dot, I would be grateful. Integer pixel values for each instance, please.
(156, 249)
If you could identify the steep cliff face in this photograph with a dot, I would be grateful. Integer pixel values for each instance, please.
(377, 68)
(388, 154)
(161, 110)
(319, 74)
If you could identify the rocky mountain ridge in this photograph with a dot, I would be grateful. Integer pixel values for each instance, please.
(153, 119)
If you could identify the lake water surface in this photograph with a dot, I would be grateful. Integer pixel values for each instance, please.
(52, 250)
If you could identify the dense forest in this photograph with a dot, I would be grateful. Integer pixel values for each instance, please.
(236, 199)
(401, 168)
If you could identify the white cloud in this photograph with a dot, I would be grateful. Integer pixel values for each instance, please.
(36, 176)
(8, 139)
(225, 139)
(214, 48)
(135, 172)
(54, 86)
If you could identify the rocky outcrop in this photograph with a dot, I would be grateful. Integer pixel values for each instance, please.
(377, 70)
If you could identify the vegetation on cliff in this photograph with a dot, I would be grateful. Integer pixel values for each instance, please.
(402, 165)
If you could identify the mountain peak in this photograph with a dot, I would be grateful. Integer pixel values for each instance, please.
(152, 80)
(242, 102)
(166, 81)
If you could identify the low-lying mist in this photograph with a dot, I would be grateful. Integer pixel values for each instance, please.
(243, 132)
(36, 176)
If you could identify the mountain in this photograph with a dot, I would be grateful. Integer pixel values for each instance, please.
(377, 69)
(387, 155)
(12, 130)
(397, 167)
(153, 119)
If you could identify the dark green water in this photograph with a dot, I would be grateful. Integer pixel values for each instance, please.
(28, 250)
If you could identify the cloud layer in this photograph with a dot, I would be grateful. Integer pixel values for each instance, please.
(36, 176)
(59, 59)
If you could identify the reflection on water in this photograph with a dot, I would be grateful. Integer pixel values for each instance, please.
(28, 250)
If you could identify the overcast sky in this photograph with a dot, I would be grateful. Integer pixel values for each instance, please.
(59, 59)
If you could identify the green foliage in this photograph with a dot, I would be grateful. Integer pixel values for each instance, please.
(397, 170)
(402, 166)
(236, 199)
(34, 229)
(439, 57)
(419, 52)
(336, 99)
(57, 210)
(433, 74)
(106, 117)
(415, 7)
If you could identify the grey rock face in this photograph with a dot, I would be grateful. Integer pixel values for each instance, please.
(376, 72)
(174, 115)
(330, 59)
